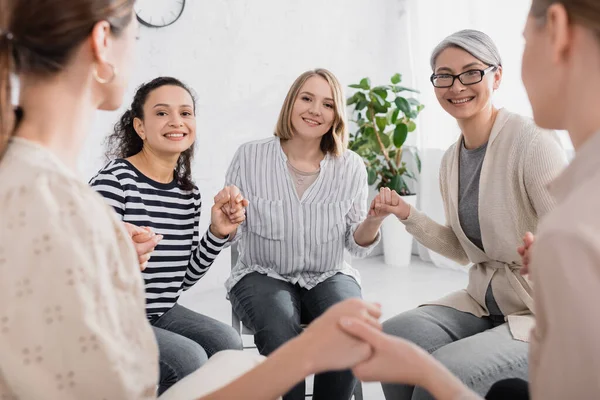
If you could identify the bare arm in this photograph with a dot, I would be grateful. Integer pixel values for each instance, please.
(395, 360)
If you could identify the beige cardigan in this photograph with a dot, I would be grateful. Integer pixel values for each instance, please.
(520, 161)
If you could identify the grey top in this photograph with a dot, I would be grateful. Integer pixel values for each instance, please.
(469, 171)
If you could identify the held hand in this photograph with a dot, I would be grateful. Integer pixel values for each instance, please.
(144, 241)
(228, 212)
(388, 202)
(327, 347)
(393, 360)
(525, 252)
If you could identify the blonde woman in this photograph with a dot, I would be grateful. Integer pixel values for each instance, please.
(307, 198)
(494, 188)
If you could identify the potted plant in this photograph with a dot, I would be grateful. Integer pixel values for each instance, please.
(383, 119)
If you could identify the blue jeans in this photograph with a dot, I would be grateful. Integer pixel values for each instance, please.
(479, 351)
(275, 310)
(186, 340)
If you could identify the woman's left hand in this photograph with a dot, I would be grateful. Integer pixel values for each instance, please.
(228, 212)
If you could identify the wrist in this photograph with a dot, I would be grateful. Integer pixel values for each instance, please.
(215, 232)
(403, 214)
(299, 349)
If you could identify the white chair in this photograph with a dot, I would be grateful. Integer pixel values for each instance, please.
(242, 329)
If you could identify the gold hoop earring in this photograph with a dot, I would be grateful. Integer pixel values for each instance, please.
(110, 79)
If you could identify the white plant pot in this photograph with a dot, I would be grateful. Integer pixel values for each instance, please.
(397, 242)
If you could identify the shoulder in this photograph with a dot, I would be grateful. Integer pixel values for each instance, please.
(578, 211)
(259, 145)
(568, 234)
(522, 131)
(351, 158)
(51, 198)
(115, 170)
(350, 161)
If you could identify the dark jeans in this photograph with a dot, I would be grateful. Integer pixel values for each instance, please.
(186, 340)
(275, 310)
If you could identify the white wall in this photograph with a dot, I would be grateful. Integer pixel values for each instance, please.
(241, 56)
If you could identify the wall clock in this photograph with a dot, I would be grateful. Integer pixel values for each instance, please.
(158, 13)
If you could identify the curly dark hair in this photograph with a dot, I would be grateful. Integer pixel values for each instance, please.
(125, 142)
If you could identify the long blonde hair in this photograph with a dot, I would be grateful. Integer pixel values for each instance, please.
(335, 141)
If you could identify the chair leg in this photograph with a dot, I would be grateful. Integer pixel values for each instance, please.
(235, 322)
(358, 393)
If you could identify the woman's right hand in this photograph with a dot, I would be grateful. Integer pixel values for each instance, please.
(389, 202)
(144, 241)
(525, 252)
(326, 347)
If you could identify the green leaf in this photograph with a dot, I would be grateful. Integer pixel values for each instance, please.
(420, 108)
(405, 89)
(396, 183)
(383, 87)
(372, 176)
(381, 123)
(411, 126)
(382, 93)
(374, 144)
(369, 131)
(396, 78)
(385, 139)
(400, 134)
(413, 102)
(351, 100)
(377, 99)
(403, 105)
(361, 104)
(365, 84)
(355, 86)
(394, 116)
(381, 109)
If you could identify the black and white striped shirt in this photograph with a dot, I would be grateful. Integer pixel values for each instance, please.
(299, 240)
(180, 259)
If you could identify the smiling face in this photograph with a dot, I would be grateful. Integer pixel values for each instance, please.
(465, 101)
(169, 123)
(314, 109)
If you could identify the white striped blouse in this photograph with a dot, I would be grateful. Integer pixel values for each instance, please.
(301, 241)
(181, 258)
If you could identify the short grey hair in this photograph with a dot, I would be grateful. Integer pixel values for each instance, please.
(476, 43)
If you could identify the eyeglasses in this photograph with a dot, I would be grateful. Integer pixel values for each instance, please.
(469, 77)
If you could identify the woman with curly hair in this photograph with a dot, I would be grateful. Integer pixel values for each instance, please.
(149, 184)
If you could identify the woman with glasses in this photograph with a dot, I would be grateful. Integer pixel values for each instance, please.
(493, 184)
